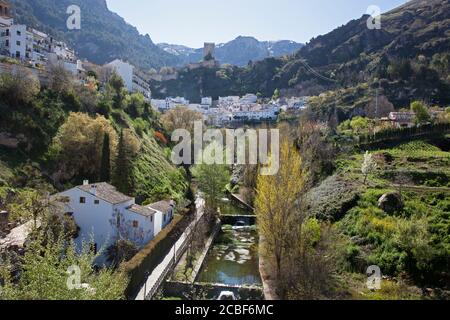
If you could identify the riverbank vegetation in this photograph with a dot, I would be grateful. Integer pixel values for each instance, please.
(387, 206)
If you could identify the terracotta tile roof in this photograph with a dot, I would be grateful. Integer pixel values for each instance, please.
(162, 206)
(106, 192)
(145, 211)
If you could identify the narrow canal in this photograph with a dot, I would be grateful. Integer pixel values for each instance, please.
(233, 258)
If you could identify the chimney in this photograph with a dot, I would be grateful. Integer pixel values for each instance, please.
(94, 189)
(85, 182)
(4, 215)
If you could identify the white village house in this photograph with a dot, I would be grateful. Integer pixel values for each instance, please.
(37, 48)
(133, 79)
(169, 103)
(105, 215)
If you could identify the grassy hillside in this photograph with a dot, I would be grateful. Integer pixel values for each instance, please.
(410, 244)
(36, 118)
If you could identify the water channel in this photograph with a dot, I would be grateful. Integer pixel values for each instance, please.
(233, 258)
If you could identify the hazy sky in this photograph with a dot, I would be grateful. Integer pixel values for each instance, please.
(193, 22)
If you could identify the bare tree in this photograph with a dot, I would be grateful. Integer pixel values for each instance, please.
(368, 166)
(379, 107)
(317, 152)
(401, 180)
(60, 80)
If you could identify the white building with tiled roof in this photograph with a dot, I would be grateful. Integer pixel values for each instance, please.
(134, 80)
(105, 215)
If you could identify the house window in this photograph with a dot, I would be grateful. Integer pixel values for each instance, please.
(82, 200)
(96, 201)
(7, 43)
(135, 224)
(19, 33)
(18, 43)
(151, 219)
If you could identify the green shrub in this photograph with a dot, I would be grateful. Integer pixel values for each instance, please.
(414, 241)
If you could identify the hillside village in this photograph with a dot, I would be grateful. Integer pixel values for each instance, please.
(41, 51)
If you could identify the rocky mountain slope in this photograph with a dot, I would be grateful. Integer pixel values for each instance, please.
(346, 57)
(104, 35)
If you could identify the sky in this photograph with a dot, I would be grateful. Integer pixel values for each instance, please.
(193, 22)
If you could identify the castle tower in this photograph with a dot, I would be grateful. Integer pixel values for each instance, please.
(6, 15)
(5, 9)
(209, 51)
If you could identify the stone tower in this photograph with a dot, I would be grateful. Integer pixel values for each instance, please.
(209, 51)
(6, 14)
(5, 9)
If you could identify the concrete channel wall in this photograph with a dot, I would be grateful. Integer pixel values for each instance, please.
(208, 245)
(239, 200)
(198, 291)
(233, 219)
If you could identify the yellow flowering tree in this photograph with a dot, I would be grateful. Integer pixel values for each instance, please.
(275, 203)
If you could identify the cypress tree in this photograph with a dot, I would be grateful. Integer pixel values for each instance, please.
(122, 172)
(105, 169)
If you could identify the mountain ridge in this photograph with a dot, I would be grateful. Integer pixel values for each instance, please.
(104, 35)
(348, 56)
(238, 51)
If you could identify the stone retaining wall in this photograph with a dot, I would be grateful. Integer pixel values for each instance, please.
(208, 245)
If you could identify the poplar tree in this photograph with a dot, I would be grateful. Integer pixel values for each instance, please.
(275, 204)
(127, 150)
